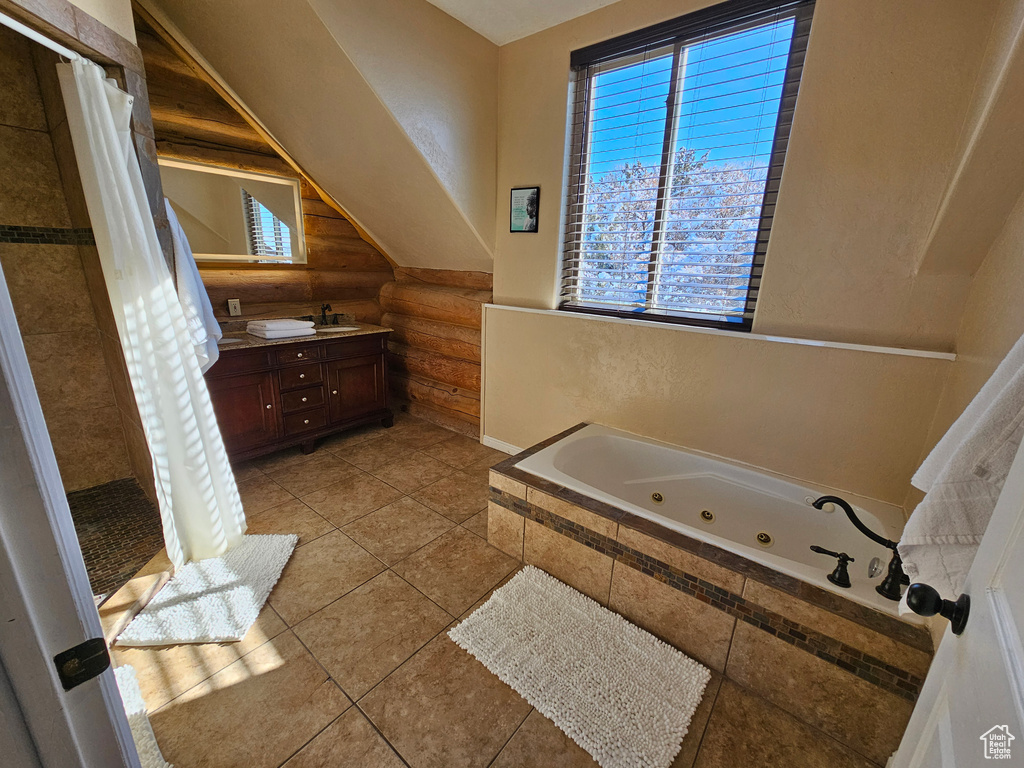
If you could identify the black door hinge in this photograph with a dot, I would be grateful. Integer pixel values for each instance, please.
(83, 662)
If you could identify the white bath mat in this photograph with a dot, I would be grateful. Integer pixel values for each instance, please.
(616, 690)
(214, 600)
(138, 720)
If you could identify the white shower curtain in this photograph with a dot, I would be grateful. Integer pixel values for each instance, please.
(199, 504)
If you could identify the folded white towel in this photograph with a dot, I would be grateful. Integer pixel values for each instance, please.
(279, 325)
(963, 477)
(293, 333)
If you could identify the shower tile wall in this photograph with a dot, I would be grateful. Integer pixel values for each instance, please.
(72, 359)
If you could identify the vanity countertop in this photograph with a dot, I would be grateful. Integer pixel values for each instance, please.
(239, 339)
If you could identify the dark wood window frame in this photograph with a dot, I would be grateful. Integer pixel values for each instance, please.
(718, 19)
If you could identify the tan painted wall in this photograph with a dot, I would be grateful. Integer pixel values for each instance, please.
(992, 322)
(886, 91)
(439, 82)
(845, 419)
(315, 101)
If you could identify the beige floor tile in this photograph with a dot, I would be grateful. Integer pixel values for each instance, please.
(420, 434)
(169, 671)
(746, 730)
(363, 637)
(246, 470)
(255, 713)
(397, 530)
(412, 472)
(456, 569)
(540, 744)
(461, 451)
(318, 472)
(282, 459)
(348, 741)
(319, 573)
(350, 437)
(458, 496)
(261, 493)
(355, 496)
(442, 708)
(477, 524)
(698, 724)
(374, 454)
(291, 517)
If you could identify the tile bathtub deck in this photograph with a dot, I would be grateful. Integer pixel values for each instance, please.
(350, 664)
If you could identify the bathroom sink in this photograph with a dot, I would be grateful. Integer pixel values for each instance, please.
(225, 342)
(336, 328)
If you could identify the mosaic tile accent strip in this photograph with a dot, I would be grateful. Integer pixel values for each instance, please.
(46, 235)
(119, 531)
(828, 649)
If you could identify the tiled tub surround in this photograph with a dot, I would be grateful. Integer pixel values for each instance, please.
(852, 672)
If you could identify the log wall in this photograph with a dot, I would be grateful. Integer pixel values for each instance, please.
(434, 351)
(193, 122)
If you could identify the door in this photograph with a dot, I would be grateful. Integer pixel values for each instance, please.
(246, 408)
(46, 604)
(971, 708)
(356, 387)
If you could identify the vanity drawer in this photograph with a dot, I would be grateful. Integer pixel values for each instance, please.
(301, 376)
(309, 421)
(301, 399)
(298, 354)
(355, 346)
(241, 361)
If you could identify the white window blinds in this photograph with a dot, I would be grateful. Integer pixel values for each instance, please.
(680, 134)
(269, 238)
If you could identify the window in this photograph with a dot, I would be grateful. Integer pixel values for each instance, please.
(679, 138)
(269, 237)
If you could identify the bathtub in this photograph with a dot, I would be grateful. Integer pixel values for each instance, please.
(760, 516)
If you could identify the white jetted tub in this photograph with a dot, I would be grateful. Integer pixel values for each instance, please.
(763, 517)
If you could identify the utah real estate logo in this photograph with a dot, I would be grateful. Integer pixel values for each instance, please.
(997, 742)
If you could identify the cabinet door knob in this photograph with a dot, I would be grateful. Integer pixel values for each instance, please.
(304, 399)
(300, 354)
(334, 391)
(306, 421)
(269, 406)
(302, 375)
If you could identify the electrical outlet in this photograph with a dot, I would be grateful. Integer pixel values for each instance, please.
(234, 307)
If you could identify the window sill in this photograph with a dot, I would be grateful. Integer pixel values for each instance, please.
(729, 334)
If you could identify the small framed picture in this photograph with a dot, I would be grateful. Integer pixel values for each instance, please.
(524, 209)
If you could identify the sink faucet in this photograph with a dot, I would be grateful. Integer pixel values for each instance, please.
(324, 309)
(895, 578)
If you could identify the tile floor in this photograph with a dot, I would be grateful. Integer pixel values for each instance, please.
(349, 663)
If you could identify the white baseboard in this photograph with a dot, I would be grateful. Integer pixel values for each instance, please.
(500, 445)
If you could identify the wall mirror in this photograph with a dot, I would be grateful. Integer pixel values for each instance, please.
(232, 215)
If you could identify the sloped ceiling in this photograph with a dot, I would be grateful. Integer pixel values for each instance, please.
(502, 21)
(410, 185)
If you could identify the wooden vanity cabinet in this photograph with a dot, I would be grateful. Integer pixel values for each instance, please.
(268, 398)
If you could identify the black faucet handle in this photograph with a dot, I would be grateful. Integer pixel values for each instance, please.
(840, 577)
(840, 555)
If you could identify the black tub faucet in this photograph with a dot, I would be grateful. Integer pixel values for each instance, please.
(840, 576)
(895, 578)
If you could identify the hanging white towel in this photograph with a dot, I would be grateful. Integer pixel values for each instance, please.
(203, 327)
(962, 478)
